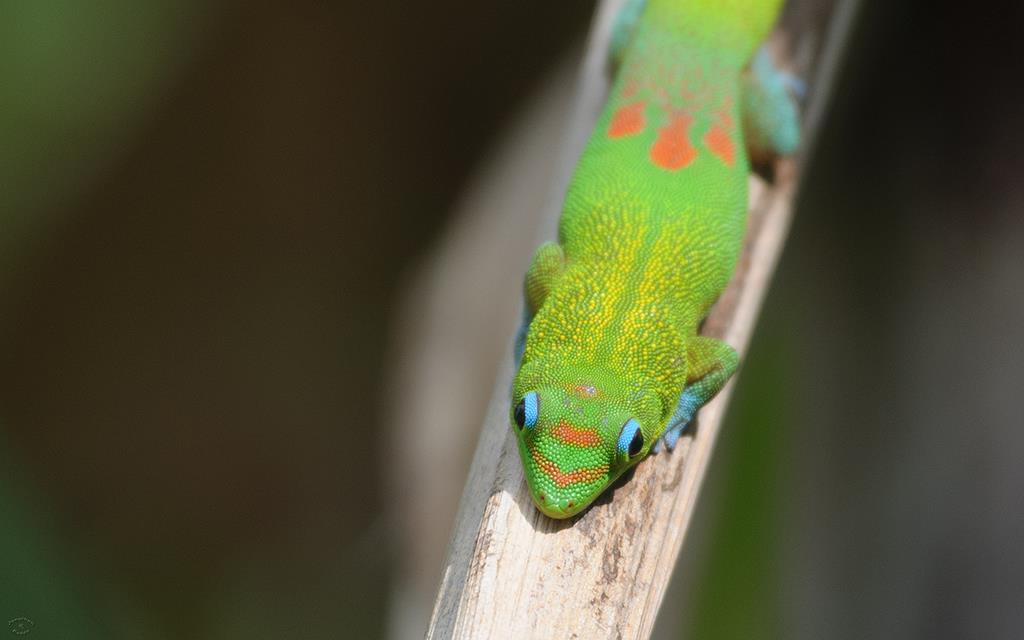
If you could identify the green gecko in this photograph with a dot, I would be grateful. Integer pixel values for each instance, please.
(610, 360)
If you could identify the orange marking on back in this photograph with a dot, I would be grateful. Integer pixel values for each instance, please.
(719, 143)
(563, 479)
(628, 120)
(672, 150)
(575, 436)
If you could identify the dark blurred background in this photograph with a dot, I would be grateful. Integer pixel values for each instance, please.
(212, 212)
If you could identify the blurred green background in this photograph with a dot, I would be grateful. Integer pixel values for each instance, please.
(210, 211)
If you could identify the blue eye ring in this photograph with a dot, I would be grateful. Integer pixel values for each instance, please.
(631, 440)
(532, 409)
(527, 411)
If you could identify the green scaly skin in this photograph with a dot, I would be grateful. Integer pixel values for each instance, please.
(649, 236)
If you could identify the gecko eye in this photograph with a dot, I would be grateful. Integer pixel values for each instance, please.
(526, 412)
(631, 440)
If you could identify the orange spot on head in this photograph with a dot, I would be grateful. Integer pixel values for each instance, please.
(672, 150)
(575, 436)
(584, 390)
(563, 479)
(719, 143)
(632, 86)
(628, 120)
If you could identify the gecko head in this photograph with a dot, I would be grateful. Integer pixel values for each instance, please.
(578, 430)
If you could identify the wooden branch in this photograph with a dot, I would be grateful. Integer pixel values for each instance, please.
(512, 572)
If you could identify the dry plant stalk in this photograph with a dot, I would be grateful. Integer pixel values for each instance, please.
(511, 572)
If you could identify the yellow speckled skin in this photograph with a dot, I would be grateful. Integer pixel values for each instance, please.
(649, 236)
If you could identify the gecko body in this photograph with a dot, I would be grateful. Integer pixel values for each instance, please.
(610, 359)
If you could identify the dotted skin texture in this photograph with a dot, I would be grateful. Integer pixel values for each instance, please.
(649, 236)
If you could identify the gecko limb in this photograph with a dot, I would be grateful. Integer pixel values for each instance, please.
(711, 364)
(624, 27)
(771, 119)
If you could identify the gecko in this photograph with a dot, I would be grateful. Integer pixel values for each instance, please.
(611, 363)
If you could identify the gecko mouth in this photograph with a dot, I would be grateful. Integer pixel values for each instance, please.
(561, 509)
(561, 494)
(553, 510)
